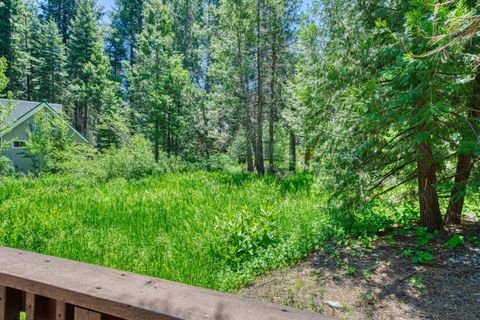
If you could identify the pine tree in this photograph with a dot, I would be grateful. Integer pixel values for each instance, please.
(17, 37)
(88, 69)
(62, 12)
(158, 83)
(4, 110)
(49, 70)
(127, 23)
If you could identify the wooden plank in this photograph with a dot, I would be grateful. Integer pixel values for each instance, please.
(60, 310)
(127, 295)
(3, 299)
(83, 314)
(30, 306)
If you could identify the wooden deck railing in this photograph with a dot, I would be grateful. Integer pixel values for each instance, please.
(48, 288)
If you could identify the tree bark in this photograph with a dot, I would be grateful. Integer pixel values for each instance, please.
(259, 130)
(156, 143)
(293, 151)
(273, 100)
(464, 163)
(430, 216)
(306, 160)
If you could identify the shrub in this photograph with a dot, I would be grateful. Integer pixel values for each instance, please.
(80, 161)
(131, 161)
(242, 234)
(6, 167)
(454, 242)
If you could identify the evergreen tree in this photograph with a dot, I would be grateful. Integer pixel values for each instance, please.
(49, 70)
(159, 82)
(18, 41)
(127, 23)
(4, 110)
(88, 69)
(62, 12)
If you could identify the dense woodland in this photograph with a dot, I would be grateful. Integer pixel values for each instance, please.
(373, 96)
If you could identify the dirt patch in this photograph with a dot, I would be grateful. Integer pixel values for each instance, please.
(379, 280)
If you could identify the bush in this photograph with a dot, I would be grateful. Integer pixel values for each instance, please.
(6, 167)
(131, 161)
(242, 234)
(80, 161)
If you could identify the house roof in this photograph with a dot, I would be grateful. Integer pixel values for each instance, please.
(22, 110)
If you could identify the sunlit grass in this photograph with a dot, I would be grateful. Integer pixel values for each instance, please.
(164, 226)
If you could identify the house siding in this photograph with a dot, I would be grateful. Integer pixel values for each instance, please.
(18, 155)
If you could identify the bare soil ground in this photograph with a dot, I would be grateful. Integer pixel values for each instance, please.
(379, 282)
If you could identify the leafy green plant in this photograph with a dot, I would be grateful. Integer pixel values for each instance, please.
(422, 257)
(454, 242)
(349, 269)
(367, 274)
(370, 296)
(474, 240)
(423, 237)
(242, 234)
(6, 167)
(391, 240)
(417, 282)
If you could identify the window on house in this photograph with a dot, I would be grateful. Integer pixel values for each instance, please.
(19, 144)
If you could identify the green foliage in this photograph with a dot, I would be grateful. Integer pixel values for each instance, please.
(6, 167)
(454, 242)
(349, 269)
(50, 62)
(159, 84)
(423, 237)
(133, 160)
(242, 234)
(3, 77)
(48, 139)
(474, 240)
(417, 282)
(90, 89)
(422, 257)
(174, 226)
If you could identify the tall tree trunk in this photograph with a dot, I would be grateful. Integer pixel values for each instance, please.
(430, 216)
(250, 165)
(273, 100)
(306, 159)
(259, 130)
(85, 120)
(29, 75)
(156, 140)
(248, 115)
(293, 151)
(252, 142)
(464, 163)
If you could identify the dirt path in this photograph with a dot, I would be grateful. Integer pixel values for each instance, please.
(380, 282)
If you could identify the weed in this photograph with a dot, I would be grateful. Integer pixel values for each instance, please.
(367, 274)
(417, 282)
(474, 240)
(391, 240)
(422, 257)
(349, 269)
(454, 242)
(370, 296)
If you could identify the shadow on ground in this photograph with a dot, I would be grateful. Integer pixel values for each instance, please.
(379, 282)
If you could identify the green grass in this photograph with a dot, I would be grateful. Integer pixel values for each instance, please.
(173, 226)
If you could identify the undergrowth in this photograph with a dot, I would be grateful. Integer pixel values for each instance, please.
(214, 230)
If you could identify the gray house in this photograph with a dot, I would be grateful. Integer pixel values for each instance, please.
(19, 123)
